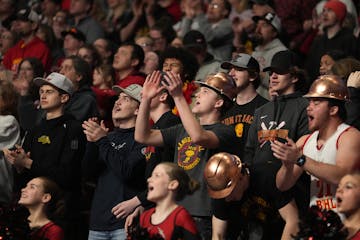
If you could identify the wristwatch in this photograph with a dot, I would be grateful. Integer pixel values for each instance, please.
(301, 161)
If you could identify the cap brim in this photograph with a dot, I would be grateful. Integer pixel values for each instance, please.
(226, 65)
(229, 65)
(213, 88)
(267, 69)
(276, 70)
(64, 33)
(256, 18)
(22, 18)
(208, 86)
(221, 193)
(41, 81)
(118, 90)
(194, 46)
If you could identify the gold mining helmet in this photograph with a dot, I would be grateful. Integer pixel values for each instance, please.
(222, 83)
(328, 86)
(222, 173)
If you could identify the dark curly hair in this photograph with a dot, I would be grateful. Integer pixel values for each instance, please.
(187, 59)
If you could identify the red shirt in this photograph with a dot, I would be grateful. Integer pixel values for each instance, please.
(175, 11)
(105, 101)
(356, 236)
(49, 231)
(36, 48)
(134, 78)
(178, 225)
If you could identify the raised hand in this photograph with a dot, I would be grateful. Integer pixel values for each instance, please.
(152, 86)
(93, 130)
(354, 80)
(138, 7)
(174, 84)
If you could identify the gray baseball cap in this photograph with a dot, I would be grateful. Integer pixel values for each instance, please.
(242, 60)
(56, 80)
(133, 90)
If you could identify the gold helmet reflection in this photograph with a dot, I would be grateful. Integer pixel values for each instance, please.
(222, 173)
(328, 86)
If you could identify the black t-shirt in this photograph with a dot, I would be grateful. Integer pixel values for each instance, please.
(240, 117)
(156, 155)
(250, 216)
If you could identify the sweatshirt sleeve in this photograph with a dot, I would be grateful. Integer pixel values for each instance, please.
(126, 162)
(9, 131)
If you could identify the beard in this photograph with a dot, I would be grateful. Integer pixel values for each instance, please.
(25, 34)
(257, 39)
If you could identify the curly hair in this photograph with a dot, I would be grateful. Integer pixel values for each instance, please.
(187, 59)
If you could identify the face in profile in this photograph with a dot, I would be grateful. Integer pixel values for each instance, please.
(33, 194)
(326, 62)
(348, 194)
(159, 184)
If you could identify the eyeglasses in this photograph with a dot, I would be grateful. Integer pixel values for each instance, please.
(5, 37)
(59, 18)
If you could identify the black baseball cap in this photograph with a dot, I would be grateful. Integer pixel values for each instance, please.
(76, 33)
(242, 60)
(194, 39)
(270, 18)
(282, 62)
(262, 2)
(28, 15)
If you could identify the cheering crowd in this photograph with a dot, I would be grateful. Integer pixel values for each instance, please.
(180, 119)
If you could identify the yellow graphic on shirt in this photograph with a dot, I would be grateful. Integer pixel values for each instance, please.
(239, 121)
(239, 129)
(188, 153)
(44, 139)
(15, 63)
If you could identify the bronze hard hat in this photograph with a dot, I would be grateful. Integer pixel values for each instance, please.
(328, 86)
(222, 83)
(222, 172)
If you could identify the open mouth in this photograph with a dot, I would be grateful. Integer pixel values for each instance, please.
(310, 118)
(117, 109)
(272, 83)
(338, 201)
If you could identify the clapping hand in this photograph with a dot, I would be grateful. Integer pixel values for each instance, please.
(93, 130)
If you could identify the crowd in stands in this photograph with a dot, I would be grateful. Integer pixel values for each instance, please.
(180, 119)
